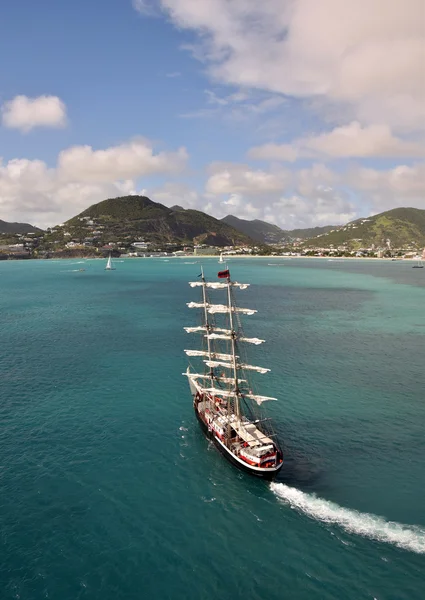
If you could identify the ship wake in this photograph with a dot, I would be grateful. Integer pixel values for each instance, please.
(408, 537)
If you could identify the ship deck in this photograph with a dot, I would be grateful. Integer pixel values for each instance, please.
(246, 431)
(249, 433)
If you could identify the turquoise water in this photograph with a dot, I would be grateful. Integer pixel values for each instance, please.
(109, 490)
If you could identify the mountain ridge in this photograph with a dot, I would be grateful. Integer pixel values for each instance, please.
(7, 227)
(128, 218)
(401, 226)
(267, 233)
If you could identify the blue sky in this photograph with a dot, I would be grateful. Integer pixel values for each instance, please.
(283, 110)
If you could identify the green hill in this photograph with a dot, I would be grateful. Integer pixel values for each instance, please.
(402, 226)
(309, 232)
(257, 230)
(13, 228)
(266, 233)
(129, 218)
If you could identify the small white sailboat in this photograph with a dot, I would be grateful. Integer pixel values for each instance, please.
(109, 266)
(221, 259)
(419, 263)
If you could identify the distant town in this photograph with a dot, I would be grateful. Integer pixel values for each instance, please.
(135, 226)
(34, 245)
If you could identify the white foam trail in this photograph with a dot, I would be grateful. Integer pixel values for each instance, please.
(408, 537)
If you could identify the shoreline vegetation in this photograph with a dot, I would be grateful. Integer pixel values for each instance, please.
(135, 226)
(228, 258)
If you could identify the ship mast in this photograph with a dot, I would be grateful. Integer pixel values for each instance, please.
(207, 324)
(233, 343)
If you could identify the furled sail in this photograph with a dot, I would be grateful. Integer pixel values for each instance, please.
(222, 308)
(255, 341)
(219, 392)
(219, 363)
(259, 399)
(203, 328)
(217, 355)
(197, 375)
(218, 285)
(228, 336)
(254, 368)
(228, 380)
(208, 376)
(196, 304)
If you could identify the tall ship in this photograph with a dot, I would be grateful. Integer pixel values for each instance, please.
(225, 403)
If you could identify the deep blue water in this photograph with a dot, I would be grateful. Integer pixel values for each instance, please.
(109, 491)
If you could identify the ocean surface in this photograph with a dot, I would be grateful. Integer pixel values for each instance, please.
(108, 489)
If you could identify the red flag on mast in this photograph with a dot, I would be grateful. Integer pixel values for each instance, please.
(223, 274)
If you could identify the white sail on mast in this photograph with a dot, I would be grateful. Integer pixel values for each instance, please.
(217, 355)
(218, 285)
(259, 399)
(221, 308)
(220, 392)
(203, 328)
(254, 368)
(228, 336)
(208, 376)
(219, 363)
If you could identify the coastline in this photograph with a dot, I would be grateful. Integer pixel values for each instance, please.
(225, 257)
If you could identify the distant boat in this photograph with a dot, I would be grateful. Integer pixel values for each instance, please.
(109, 266)
(221, 259)
(419, 265)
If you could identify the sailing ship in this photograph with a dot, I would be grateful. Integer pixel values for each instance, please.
(419, 264)
(109, 266)
(224, 402)
(221, 259)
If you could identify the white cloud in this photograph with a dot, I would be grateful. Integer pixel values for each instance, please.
(237, 106)
(241, 179)
(132, 159)
(365, 55)
(281, 152)
(288, 199)
(145, 7)
(326, 207)
(385, 189)
(172, 193)
(26, 113)
(408, 181)
(351, 140)
(31, 191)
(311, 196)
